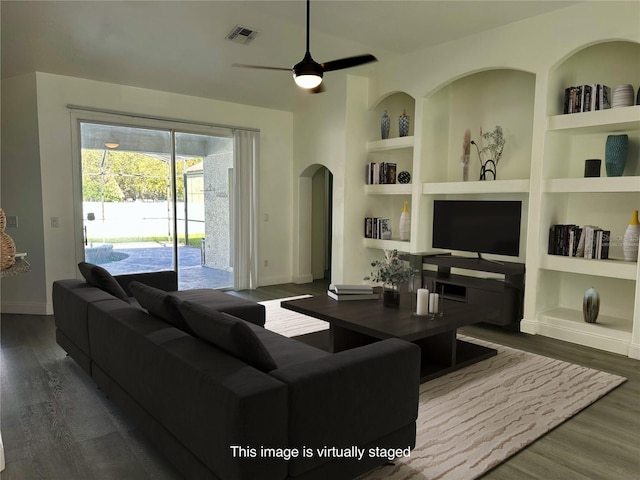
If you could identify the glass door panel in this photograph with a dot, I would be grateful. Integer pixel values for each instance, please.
(126, 198)
(155, 199)
(203, 179)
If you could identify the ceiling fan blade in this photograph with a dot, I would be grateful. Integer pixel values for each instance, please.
(262, 67)
(348, 62)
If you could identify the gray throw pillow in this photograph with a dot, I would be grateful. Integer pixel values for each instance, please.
(159, 304)
(228, 333)
(100, 278)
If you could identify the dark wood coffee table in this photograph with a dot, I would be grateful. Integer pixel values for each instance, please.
(360, 322)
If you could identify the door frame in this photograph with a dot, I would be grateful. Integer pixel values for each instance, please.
(133, 121)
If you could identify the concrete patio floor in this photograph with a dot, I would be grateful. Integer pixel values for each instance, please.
(152, 256)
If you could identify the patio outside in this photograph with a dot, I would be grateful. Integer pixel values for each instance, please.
(145, 242)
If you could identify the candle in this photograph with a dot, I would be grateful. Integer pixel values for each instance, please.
(433, 303)
(423, 302)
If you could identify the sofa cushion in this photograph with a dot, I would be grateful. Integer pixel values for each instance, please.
(228, 333)
(160, 304)
(286, 351)
(223, 302)
(102, 279)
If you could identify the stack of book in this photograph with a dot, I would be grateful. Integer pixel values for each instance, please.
(381, 173)
(351, 292)
(587, 98)
(379, 228)
(589, 241)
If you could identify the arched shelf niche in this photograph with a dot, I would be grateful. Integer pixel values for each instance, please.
(395, 103)
(609, 62)
(477, 100)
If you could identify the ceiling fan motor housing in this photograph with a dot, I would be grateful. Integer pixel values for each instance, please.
(308, 73)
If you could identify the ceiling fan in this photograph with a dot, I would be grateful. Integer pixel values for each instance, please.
(308, 73)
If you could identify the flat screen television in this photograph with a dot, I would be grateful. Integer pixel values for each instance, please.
(479, 226)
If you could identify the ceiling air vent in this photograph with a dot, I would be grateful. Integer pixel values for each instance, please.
(242, 35)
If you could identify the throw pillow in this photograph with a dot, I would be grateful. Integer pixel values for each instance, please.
(99, 277)
(228, 333)
(159, 304)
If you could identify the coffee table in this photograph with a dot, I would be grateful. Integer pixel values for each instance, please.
(360, 322)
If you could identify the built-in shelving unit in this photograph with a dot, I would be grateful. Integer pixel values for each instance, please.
(466, 188)
(569, 198)
(600, 121)
(610, 333)
(388, 144)
(387, 200)
(399, 245)
(551, 184)
(612, 268)
(391, 189)
(595, 185)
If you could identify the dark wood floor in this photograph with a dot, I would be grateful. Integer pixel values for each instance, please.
(56, 424)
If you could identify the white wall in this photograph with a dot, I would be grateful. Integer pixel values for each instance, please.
(319, 139)
(21, 193)
(53, 123)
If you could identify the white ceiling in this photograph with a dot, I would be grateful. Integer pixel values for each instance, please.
(180, 46)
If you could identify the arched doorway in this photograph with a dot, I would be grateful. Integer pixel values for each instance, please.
(321, 223)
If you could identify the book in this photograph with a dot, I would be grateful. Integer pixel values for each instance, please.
(353, 296)
(350, 289)
(605, 96)
(606, 240)
(384, 229)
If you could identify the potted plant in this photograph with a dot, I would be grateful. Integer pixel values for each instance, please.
(392, 272)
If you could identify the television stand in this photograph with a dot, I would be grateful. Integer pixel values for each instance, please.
(507, 293)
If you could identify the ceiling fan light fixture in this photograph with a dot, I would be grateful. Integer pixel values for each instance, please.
(307, 81)
(308, 73)
(112, 145)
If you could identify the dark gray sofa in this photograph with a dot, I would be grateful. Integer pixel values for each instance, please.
(199, 404)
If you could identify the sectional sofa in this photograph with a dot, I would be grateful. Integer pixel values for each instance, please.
(224, 398)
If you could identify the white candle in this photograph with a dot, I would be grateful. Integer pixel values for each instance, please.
(433, 303)
(422, 307)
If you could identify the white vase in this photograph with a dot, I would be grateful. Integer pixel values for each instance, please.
(405, 222)
(630, 240)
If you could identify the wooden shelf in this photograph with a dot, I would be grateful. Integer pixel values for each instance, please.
(489, 186)
(601, 121)
(598, 184)
(391, 189)
(612, 268)
(390, 144)
(608, 333)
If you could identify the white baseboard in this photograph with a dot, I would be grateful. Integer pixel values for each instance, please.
(25, 308)
(634, 351)
(528, 326)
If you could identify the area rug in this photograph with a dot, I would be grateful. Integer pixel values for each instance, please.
(471, 420)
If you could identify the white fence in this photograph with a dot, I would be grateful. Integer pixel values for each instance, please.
(139, 219)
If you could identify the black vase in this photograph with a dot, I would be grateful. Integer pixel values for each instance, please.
(391, 296)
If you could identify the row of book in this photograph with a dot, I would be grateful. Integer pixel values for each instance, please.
(587, 98)
(378, 228)
(351, 292)
(381, 173)
(589, 241)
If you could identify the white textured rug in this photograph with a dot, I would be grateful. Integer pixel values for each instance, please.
(471, 420)
(289, 323)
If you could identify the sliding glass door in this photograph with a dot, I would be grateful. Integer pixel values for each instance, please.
(157, 199)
